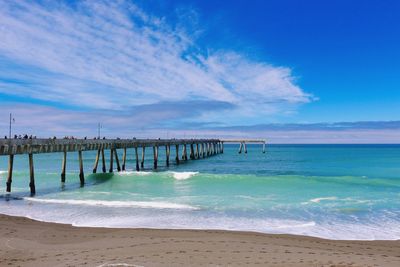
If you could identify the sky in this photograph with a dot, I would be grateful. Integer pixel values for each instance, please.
(287, 71)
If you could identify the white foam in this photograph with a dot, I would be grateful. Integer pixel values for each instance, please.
(141, 173)
(317, 200)
(183, 175)
(138, 204)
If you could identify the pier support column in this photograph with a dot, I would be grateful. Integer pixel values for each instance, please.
(63, 166)
(103, 159)
(245, 147)
(191, 151)
(10, 171)
(143, 152)
(184, 152)
(81, 175)
(177, 154)
(208, 149)
(96, 162)
(111, 160)
(222, 147)
(31, 175)
(263, 148)
(124, 159)
(197, 151)
(155, 156)
(167, 152)
(137, 158)
(240, 147)
(202, 150)
(117, 160)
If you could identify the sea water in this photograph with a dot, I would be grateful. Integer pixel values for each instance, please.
(329, 191)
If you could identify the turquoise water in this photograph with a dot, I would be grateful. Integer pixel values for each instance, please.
(329, 191)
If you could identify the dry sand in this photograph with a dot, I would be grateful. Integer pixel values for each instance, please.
(24, 242)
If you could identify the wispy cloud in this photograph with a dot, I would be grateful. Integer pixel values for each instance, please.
(100, 55)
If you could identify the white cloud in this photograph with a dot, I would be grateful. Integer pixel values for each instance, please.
(115, 56)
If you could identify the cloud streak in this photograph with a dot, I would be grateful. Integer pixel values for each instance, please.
(116, 57)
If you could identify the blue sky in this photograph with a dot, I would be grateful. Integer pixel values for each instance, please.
(203, 68)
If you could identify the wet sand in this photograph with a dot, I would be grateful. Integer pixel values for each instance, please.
(24, 242)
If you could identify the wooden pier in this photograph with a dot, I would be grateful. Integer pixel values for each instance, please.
(199, 149)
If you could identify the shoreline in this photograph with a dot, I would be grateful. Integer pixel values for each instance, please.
(26, 242)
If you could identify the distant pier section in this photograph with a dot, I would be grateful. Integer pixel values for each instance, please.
(242, 143)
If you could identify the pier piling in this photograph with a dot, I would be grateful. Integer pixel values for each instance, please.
(167, 152)
(96, 162)
(124, 159)
(111, 160)
(184, 152)
(63, 166)
(10, 171)
(191, 151)
(117, 160)
(155, 156)
(81, 174)
(177, 154)
(142, 162)
(137, 158)
(31, 175)
(103, 159)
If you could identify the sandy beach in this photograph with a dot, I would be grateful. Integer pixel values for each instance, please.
(26, 242)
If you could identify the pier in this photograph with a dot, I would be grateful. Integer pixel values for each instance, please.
(198, 149)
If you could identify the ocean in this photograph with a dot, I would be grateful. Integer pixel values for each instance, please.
(329, 191)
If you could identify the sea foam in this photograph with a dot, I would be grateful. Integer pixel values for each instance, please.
(137, 204)
(183, 175)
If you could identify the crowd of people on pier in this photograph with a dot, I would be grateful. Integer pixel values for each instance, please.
(25, 136)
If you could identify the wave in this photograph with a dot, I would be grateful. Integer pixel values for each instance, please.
(319, 199)
(183, 175)
(121, 204)
(141, 173)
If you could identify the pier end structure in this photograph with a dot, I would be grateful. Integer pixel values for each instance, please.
(242, 144)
